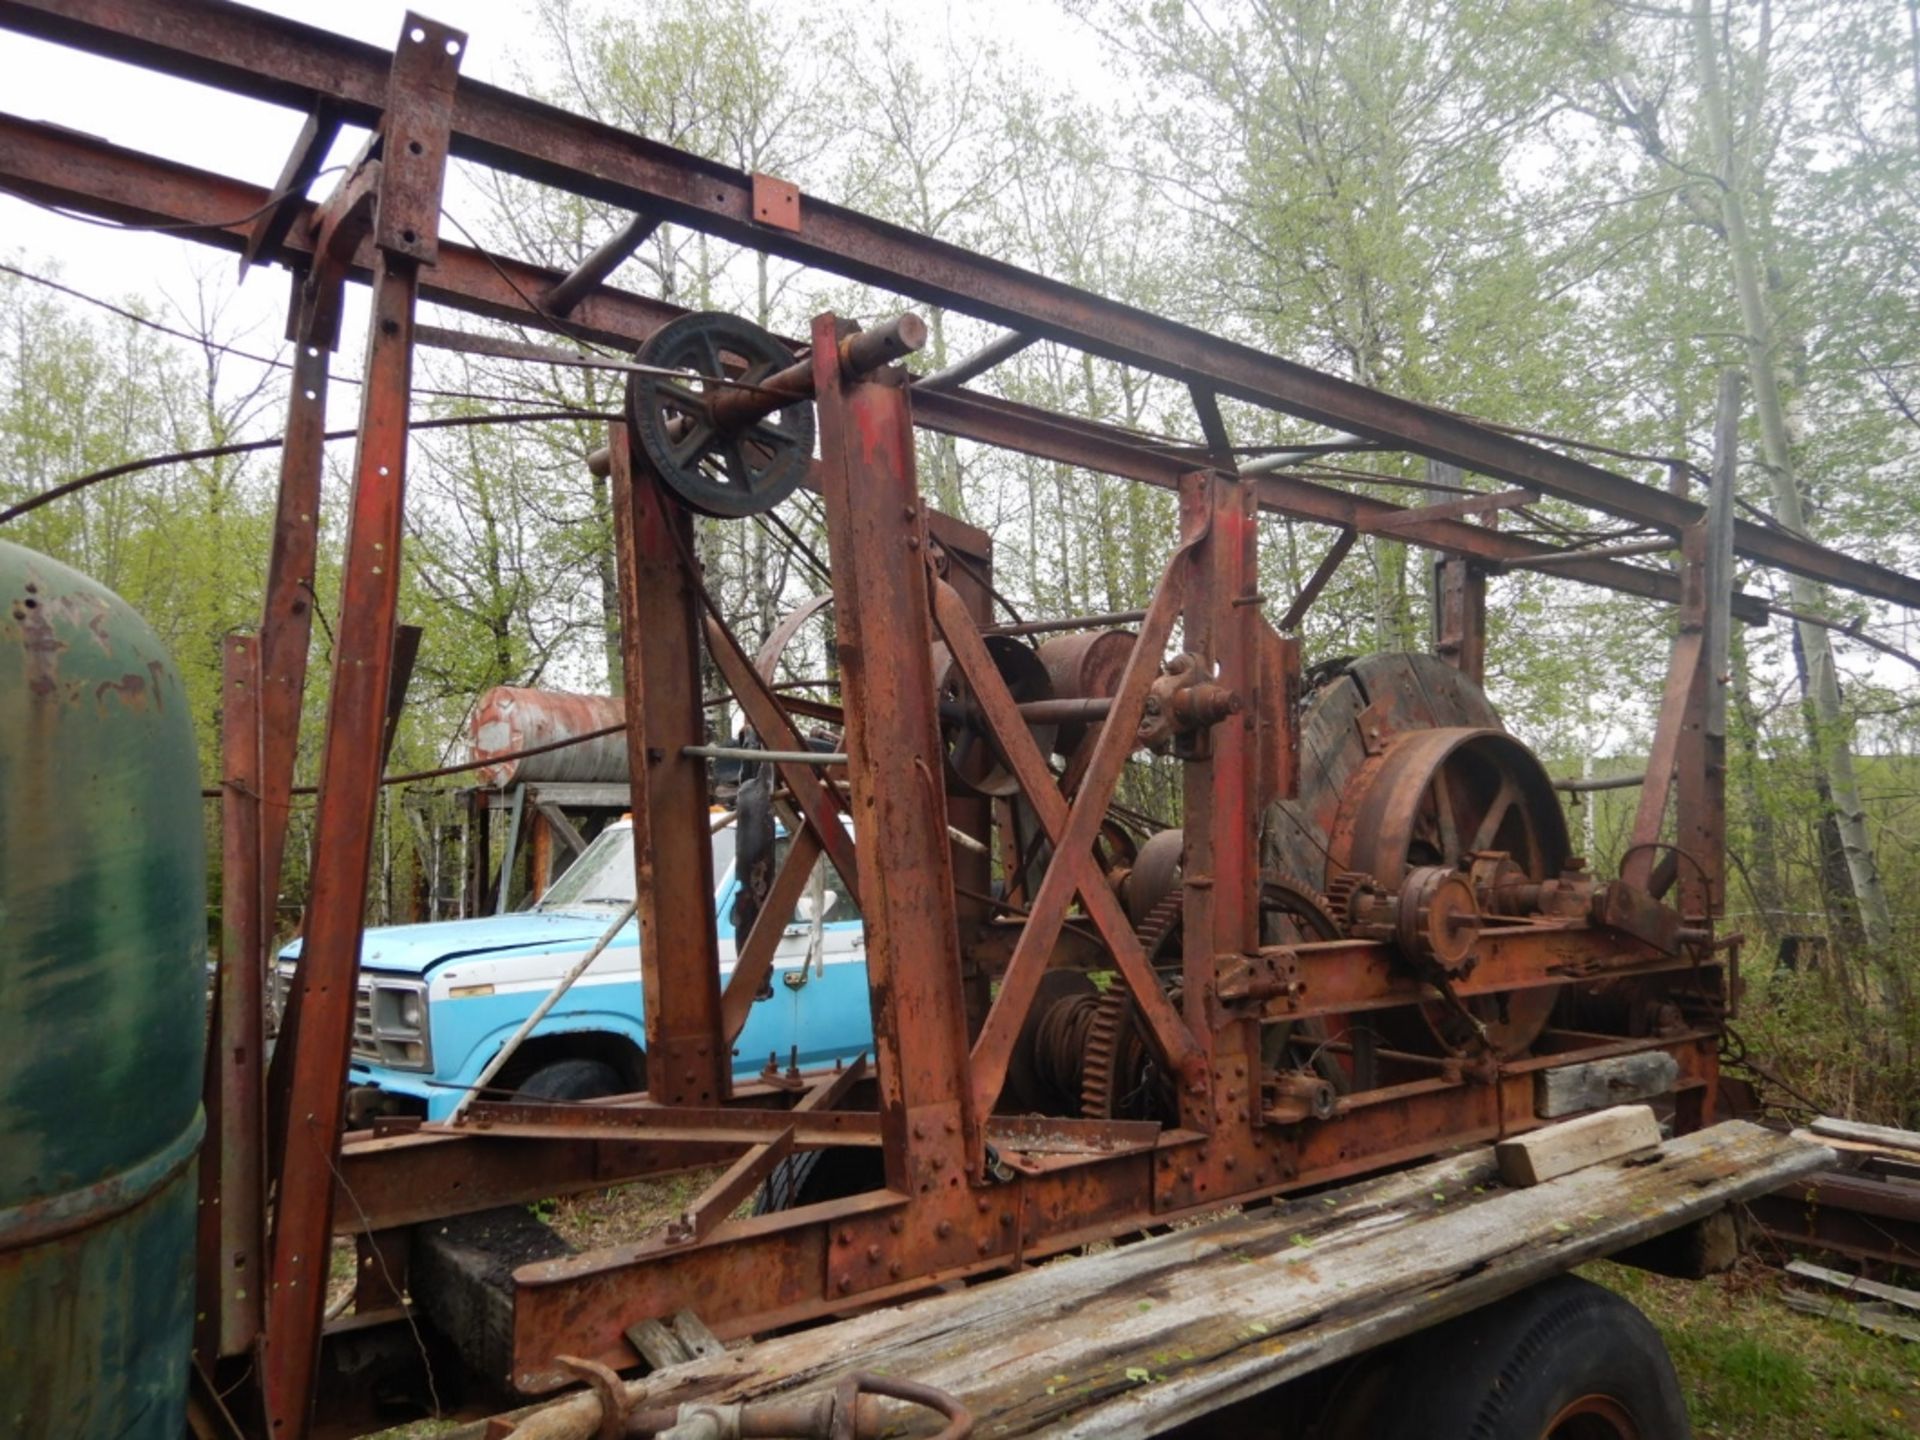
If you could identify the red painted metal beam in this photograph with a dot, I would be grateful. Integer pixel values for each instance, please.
(259, 55)
(232, 1240)
(877, 540)
(318, 1032)
(286, 618)
(687, 1056)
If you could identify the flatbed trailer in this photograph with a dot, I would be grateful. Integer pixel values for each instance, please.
(1369, 944)
(1145, 1337)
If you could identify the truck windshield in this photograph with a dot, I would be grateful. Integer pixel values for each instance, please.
(602, 878)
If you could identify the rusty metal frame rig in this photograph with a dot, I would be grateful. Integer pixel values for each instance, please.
(966, 1189)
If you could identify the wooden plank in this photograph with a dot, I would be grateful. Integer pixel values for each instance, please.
(1570, 1089)
(1135, 1340)
(1575, 1144)
(1883, 1137)
(1881, 1319)
(1855, 1284)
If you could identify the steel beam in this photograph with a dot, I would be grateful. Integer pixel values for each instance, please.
(687, 1056)
(286, 612)
(877, 539)
(233, 1176)
(268, 58)
(318, 1032)
(77, 171)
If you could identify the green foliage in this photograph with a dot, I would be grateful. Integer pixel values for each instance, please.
(80, 393)
(1752, 1369)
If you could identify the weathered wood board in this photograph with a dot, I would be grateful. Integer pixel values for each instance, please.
(1543, 1155)
(1140, 1338)
(1880, 1137)
(1617, 1080)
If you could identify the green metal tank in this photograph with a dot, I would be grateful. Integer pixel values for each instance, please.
(102, 1011)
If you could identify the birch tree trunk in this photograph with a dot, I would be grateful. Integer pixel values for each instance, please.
(1833, 731)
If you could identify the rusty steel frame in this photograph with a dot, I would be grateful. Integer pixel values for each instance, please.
(78, 171)
(284, 62)
(965, 1191)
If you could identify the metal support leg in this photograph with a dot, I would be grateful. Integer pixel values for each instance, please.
(319, 1030)
(878, 538)
(232, 1242)
(687, 1054)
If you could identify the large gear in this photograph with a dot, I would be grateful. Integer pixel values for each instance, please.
(1118, 1077)
(1111, 1017)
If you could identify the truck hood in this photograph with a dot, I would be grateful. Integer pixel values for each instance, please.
(416, 949)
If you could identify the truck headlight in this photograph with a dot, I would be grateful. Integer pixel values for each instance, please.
(397, 1012)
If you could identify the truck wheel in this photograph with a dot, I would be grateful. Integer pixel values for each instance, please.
(571, 1080)
(816, 1175)
(1565, 1360)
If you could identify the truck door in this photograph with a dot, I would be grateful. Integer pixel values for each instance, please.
(819, 996)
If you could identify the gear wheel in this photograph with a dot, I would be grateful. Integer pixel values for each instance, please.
(1111, 1020)
(1341, 890)
(1118, 1077)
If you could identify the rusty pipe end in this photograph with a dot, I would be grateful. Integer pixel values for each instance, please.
(868, 350)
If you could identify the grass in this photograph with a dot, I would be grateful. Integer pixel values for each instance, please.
(1754, 1370)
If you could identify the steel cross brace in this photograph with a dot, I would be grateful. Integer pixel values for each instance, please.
(1073, 830)
(80, 172)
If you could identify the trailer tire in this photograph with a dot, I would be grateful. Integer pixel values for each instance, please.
(1566, 1360)
(571, 1080)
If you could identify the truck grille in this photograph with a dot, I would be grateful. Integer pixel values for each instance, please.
(364, 1047)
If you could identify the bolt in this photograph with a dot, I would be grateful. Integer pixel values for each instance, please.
(982, 1246)
(981, 1204)
(1230, 1162)
(894, 1268)
(943, 1229)
(846, 1283)
(873, 1254)
(896, 1224)
(1006, 1219)
(846, 1236)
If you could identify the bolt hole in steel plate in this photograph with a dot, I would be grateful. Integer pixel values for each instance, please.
(733, 473)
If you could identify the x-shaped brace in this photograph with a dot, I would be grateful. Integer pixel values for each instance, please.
(1073, 829)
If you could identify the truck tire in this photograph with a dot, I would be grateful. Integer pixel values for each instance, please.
(816, 1175)
(1565, 1360)
(571, 1080)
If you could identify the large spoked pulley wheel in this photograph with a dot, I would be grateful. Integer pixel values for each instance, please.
(728, 471)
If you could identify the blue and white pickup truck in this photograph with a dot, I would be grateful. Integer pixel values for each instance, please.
(437, 1001)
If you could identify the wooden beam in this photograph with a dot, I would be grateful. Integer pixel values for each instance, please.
(1576, 1144)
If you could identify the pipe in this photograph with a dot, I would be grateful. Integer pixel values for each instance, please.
(1072, 622)
(560, 988)
(741, 752)
(968, 367)
(860, 353)
(571, 289)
